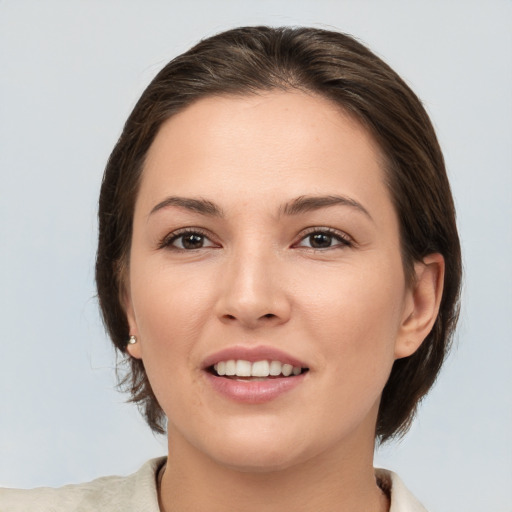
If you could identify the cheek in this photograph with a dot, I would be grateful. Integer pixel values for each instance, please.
(167, 300)
(354, 323)
(171, 310)
(355, 316)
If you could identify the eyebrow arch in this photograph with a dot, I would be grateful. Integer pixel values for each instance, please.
(202, 206)
(297, 206)
(305, 204)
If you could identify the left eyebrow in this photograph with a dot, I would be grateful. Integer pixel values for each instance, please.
(305, 204)
(201, 206)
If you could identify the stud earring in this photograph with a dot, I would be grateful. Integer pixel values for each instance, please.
(132, 340)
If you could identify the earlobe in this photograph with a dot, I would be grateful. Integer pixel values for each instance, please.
(133, 346)
(422, 305)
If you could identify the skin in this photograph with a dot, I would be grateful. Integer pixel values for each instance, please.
(345, 308)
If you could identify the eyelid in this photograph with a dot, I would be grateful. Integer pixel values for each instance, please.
(345, 239)
(167, 241)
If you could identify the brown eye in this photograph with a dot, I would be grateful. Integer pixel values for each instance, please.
(324, 239)
(320, 240)
(192, 241)
(187, 241)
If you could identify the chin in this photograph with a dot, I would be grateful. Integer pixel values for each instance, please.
(260, 461)
(259, 451)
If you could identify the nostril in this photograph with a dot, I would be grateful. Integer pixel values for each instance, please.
(269, 315)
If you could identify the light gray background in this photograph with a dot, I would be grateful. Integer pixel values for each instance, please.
(70, 72)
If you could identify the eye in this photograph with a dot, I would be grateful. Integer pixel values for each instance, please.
(324, 239)
(187, 241)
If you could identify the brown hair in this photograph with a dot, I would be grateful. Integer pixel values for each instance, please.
(335, 66)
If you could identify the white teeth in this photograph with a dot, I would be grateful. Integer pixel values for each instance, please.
(221, 368)
(261, 369)
(243, 368)
(275, 368)
(287, 370)
(230, 367)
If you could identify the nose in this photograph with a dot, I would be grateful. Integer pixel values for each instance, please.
(253, 290)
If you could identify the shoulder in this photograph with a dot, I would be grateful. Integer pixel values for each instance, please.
(135, 492)
(402, 499)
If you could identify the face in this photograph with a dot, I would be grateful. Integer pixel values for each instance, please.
(265, 242)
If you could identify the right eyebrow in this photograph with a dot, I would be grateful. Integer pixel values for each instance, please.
(202, 206)
(304, 204)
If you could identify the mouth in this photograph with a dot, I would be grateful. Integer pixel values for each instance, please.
(254, 375)
(243, 370)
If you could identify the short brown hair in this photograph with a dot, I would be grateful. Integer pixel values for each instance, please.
(336, 66)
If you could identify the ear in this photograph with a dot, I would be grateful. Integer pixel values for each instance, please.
(134, 350)
(421, 305)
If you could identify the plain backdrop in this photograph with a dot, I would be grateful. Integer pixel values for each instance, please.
(70, 72)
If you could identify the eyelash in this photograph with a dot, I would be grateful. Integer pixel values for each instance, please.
(167, 241)
(343, 239)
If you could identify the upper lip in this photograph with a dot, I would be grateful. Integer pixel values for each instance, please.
(252, 354)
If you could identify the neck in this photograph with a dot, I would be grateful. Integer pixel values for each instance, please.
(334, 481)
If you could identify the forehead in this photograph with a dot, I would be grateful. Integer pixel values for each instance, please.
(271, 144)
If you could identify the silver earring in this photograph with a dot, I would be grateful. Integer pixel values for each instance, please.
(132, 340)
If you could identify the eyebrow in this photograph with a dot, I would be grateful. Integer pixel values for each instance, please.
(202, 206)
(297, 206)
(305, 204)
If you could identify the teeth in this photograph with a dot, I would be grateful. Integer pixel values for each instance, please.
(231, 367)
(260, 369)
(242, 368)
(221, 368)
(275, 368)
(287, 370)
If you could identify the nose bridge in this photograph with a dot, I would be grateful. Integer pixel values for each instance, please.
(252, 290)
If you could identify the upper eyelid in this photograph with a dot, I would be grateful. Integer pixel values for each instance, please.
(170, 237)
(324, 229)
(167, 240)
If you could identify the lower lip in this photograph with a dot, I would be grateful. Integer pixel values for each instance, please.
(255, 391)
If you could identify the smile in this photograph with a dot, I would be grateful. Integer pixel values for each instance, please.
(258, 369)
(254, 375)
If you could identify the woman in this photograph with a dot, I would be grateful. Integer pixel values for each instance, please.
(279, 261)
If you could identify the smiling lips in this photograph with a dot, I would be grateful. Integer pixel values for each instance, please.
(253, 375)
(264, 368)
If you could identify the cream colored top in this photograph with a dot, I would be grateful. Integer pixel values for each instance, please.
(138, 493)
